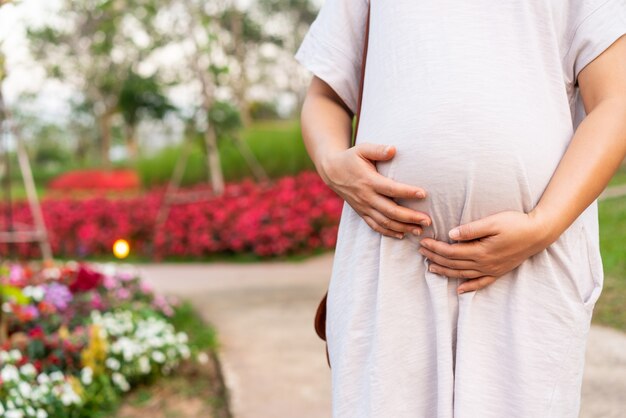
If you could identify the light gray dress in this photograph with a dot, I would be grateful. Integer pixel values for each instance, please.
(480, 99)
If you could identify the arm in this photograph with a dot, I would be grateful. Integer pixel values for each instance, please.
(350, 171)
(499, 243)
(597, 148)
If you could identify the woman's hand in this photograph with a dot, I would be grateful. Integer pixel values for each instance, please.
(352, 174)
(492, 247)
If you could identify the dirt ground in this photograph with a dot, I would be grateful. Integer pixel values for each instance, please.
(194, 391)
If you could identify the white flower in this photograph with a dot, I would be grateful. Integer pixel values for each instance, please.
(25, 391)
(1, 409)
(184, 351)
(28, 370)
(15, 355)
(86, 376)
(112, 363)
(6, 307)
(52, 273)
(41, 414)
(144, 365)
(14, 413)
(57, 376)
(121, 382)
(4, 357)
(30, 410)
(182, 338)
(158, 356)
(43, 378)
(36, 293)
(9, 373)
(203, 358)
(69, 397)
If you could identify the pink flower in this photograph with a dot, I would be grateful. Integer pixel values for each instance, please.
(109, 282)
(96, 301)
(146, 287)
(122, 294)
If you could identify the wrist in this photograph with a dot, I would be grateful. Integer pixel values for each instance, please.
(546, 228)
(326, 163)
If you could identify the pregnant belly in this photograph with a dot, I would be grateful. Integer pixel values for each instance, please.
(469, 174)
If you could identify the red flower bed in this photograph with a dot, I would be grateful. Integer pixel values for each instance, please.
(96, 180)
(294, 215)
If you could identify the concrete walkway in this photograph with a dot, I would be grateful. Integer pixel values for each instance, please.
(273, 362)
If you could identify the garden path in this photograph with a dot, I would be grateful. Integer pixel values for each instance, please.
(274, 364)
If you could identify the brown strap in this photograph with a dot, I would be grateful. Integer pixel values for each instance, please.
(365, 47)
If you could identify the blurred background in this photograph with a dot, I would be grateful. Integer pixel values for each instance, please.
(160, 216)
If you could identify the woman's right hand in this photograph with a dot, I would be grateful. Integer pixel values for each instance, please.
(352, 174)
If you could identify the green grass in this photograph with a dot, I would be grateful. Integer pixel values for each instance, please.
(202, 336)
(277, 145)
(619, 178)
(611, 307)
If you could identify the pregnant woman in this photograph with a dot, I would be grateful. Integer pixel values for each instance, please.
(467, 264)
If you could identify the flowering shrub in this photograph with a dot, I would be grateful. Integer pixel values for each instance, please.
(76, 336)
(96, 180)
(293, 216)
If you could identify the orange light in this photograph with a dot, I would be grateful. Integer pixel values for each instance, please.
(121, 248)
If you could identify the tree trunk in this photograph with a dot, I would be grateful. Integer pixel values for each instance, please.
(105, 138)
(213, 161)
(240, 84)
(132, 147)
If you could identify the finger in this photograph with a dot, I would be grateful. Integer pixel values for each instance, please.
(459, 251)
(384, 231)
(447, 262)
(375, 152)
(473, 230)
(388, 187)
(475, 284)
(392, 210)
(394, 225)
(453, 273)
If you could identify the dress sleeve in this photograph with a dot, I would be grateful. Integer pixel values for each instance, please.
(594, 26)
(332, 49)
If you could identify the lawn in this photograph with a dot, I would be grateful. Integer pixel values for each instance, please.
(610, 309)
(277, 145)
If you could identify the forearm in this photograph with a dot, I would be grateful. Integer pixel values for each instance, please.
(592, 158)
(326, 128)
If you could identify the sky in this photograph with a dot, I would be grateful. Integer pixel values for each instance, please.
(25, 76)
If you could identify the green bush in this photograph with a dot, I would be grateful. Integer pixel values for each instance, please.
(277, 145)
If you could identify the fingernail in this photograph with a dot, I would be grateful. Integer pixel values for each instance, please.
(431, 269)
(417, 231)
(461, 291)
(386, 149)
(454, 233)
(400, 236)
(420, 195)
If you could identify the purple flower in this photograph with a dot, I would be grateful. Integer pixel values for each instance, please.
(58, 295)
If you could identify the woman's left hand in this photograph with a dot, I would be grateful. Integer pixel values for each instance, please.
(490, 247)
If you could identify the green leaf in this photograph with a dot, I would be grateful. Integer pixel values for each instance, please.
(15, 293)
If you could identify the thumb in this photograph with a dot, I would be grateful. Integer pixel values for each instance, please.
(472, 230)
(376, 152)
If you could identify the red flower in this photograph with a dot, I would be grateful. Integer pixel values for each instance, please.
(85, 280)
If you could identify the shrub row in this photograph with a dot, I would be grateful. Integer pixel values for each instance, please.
(293, 215)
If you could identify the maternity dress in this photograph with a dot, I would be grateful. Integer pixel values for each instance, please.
(481, 100)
